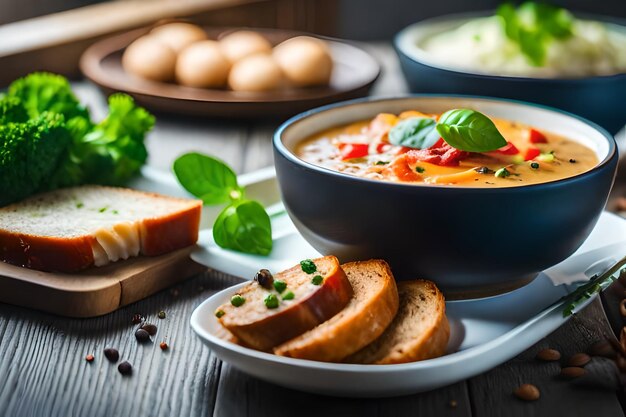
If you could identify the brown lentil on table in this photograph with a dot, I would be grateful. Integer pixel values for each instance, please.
(579, 359)
(527, 392)
(548, 355)
(572, 372)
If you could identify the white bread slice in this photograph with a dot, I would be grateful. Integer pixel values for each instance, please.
(419, 331)
(371, 310)
(74, 228)
(257, 326)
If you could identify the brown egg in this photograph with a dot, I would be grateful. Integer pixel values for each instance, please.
(258, 72)
(149, 58)
(243, 43)
(179, 35)
(202, 64)
(305, 61)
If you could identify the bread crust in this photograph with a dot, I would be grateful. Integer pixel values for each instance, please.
(276, 327)
(337, 340)
(70, 254)
(168, 233)
(47, 253)
(429, 344)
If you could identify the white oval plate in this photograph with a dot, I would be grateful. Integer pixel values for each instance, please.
(484, 332)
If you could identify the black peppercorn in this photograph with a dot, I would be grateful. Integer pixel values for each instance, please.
(137, 318)
(264, 278)
(162, 314)
(150, 328)
(142, 335)
(125, 368)
(111, 354)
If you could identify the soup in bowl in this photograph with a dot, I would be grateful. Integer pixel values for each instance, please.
(365, 179)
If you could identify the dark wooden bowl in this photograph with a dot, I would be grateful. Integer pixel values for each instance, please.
(354, 73)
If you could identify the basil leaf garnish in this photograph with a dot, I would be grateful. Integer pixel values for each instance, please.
(469, 130)
(244, 226)
(207, 178)
(415, 132)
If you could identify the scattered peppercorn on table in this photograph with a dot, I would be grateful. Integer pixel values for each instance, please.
(144, 360)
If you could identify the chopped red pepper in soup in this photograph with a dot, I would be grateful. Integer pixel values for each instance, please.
(364, 149)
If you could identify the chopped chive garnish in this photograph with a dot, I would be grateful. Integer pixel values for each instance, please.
(308, 266)
(80, 205)
(317, 280)
(534, 165)
(237, 300)
(219, 313)
(280, 285)
(546, 157)
(381, 162)
(288, 295)
(419, 169)
(502, 173)
(102, 210)
(271, 301)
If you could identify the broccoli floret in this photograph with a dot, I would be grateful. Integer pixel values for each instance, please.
(45, 92)
(12, 110)
(29, 153)
(47, 139)
(114, 150)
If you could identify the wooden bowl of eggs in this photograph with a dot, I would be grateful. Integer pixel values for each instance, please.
(225, 72)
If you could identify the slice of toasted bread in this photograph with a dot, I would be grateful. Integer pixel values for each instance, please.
(74, 228)
(419, 331)
(372, 308)
(262, 328)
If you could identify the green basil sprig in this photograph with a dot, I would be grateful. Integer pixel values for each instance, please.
(243, 225)
(414, 132)
(469, 130)
(463, 129)
(207, 178)
(533, 26)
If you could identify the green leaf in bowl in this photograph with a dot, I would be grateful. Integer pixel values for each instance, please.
(415, 132)
(469, 130)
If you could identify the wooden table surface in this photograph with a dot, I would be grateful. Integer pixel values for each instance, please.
(43, 371)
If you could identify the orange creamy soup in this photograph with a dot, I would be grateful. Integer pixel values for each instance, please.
(530, 156)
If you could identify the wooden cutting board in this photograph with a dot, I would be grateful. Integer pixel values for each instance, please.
(95, 291)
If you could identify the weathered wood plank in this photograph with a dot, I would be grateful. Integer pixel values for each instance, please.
(241, 395)
(491, 392)
(44, 372)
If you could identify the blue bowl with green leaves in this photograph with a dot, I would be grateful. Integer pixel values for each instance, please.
(445, 55)
(465, 239)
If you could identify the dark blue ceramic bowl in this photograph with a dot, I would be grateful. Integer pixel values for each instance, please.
(599, 99)
(464, 239)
